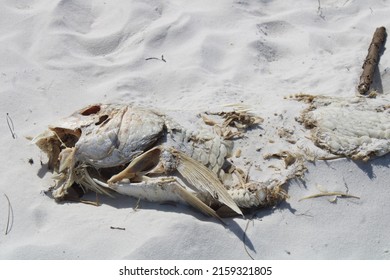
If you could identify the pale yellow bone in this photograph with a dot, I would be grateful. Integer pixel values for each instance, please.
(161, 189)
(208, 121)
(85, 179)
(198, 175)
(67, 159)
(39, 139)
(141, 164)
(337, 194)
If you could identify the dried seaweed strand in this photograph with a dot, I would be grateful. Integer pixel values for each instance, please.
(10, 218)
(244, 239)
(339, 194)
(11, 127)
(137, 205)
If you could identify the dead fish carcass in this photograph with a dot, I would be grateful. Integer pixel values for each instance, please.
(145, 154)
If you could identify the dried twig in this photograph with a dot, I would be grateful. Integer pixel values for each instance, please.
(119, 228)
(10, 218)
(372, 59)
(11, 126)
(156, 58)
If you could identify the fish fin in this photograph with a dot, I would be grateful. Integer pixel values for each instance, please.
(200, 177)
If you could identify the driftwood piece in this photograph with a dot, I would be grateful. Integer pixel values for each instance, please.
(372, 59)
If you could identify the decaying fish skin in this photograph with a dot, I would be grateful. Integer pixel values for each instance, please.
(143, 153)
(357, 127)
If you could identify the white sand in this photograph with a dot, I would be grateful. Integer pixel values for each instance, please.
(57, 56)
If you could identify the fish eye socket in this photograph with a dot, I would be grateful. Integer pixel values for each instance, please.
(91, 110)
(102, 119)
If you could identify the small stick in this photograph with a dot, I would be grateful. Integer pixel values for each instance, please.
(10, 219)
(120, 228)
(339, 194)
(156, 58)
(372, 59)
(11, 126)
